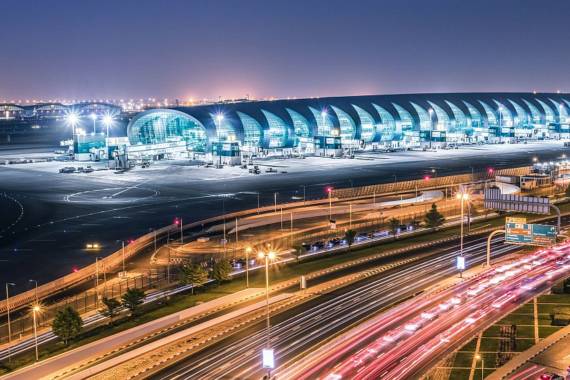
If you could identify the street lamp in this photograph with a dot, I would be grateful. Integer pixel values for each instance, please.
(123, 254)
(247, 252)
(275, 202)
(97, 280)
(268, 255)
(107, 122)
(479, 357)
(36, 309)
(329, 190)
(9, 322)
(463, 196)
(72, 119)
(179, 222)
(93, 117)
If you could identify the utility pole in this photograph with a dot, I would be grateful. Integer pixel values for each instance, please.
(168, 266)
(97, 282)
(123, 253)
(9, 322)
(154, 241)
(275, 201)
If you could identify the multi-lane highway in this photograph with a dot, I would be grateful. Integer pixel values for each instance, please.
(409, 339)
(300, 329)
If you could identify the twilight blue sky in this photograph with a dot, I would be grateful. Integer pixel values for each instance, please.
(211, 48)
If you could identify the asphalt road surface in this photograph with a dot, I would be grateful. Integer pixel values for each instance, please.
(48, 218)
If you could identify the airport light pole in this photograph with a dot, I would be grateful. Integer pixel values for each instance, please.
(268, 255)
(72, 119)
(93, 117)
(107, 122)
(9, 322)
(36, 309)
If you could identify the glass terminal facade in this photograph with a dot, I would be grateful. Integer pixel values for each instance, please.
(362, 122)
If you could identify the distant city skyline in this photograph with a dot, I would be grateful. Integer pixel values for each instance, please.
(226, 49)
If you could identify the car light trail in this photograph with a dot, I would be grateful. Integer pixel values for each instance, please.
(408, 350)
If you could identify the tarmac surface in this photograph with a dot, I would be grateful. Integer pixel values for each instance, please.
(48, 217)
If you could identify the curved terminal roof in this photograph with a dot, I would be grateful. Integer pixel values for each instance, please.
(362, 119)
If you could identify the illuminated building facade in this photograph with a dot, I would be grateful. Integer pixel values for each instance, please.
(361, 122)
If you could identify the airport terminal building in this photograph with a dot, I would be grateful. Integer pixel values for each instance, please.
(337, 125)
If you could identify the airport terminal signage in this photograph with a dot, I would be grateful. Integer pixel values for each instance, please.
(494, 199)
(502, 131)
(226, 149)
(517, 231)
(435, 136)
(327, 142)
(559, 128)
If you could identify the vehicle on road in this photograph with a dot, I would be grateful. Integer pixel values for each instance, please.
(550, 376)
(67, 169)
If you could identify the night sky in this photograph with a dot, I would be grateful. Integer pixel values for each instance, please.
(281, 48)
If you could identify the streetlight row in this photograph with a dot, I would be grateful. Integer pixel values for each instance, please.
(36, 308)
(73, 118)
